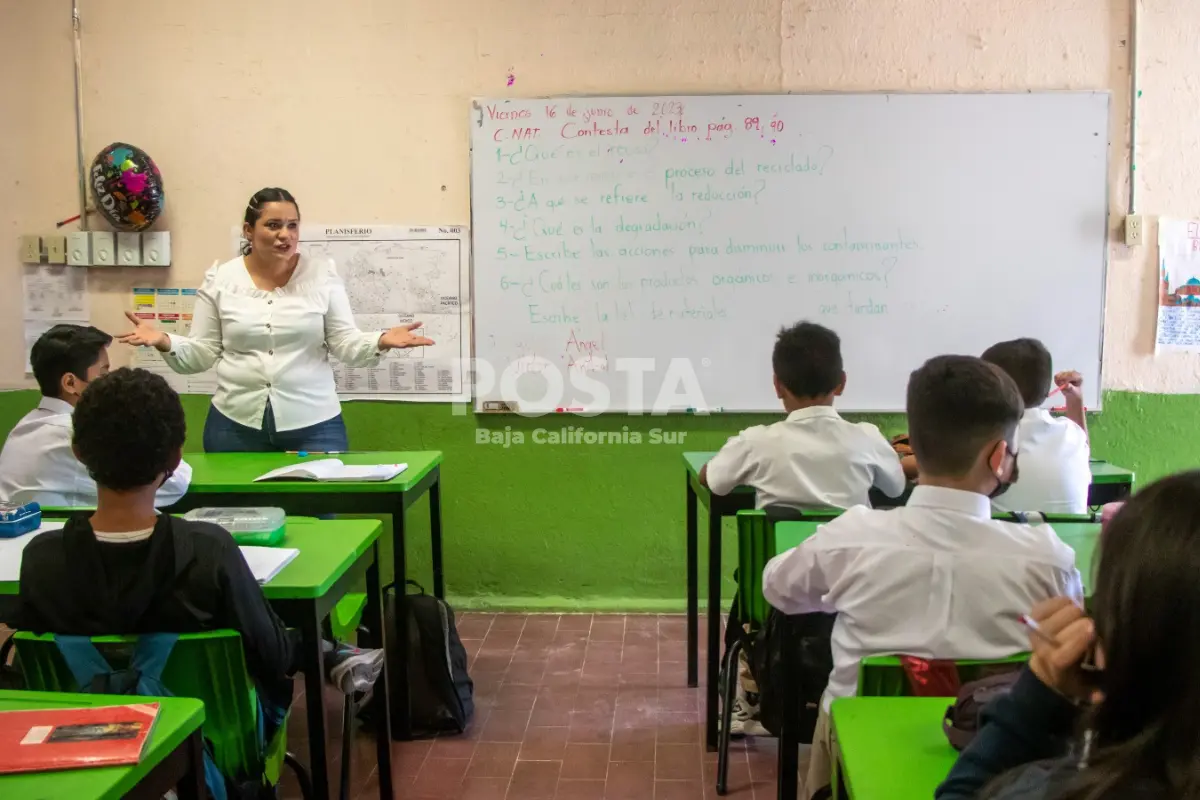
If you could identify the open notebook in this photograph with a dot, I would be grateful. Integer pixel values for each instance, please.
(266, 562)
(332, 469)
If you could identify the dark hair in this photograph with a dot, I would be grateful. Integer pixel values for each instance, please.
(272, 194)
(808, 359)
(1027, 362)
(956, 405)
(1146, 608)
(128, 427)
(65, 349)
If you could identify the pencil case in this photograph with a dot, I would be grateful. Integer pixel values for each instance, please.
(261, 527)
(17, 520)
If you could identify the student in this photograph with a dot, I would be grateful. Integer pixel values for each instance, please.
(814, 458)
(37, 464)
(125, 569)
(1141, 706)
(937, 578)
(1055, 469)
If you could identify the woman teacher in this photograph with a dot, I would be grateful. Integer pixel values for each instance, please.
(269, 320)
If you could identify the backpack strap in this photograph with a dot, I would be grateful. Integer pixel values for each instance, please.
(150, 657)
(89, 669)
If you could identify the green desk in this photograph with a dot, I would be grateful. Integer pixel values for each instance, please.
(334, 556)
(891, 747)
(174, 758)
(227, 479)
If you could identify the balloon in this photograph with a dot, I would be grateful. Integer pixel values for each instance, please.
(127, 186)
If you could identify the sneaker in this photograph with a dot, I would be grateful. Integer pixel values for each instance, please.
(352, 669)
(744, 716)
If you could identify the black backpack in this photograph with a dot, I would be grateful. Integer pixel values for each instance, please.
(441, 693)
(792, 653)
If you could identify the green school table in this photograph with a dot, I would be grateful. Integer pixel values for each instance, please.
(334, 555)
(891, 747)
(1080, 536)
(174, 757)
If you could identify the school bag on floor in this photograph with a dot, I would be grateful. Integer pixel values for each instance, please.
(441, 693)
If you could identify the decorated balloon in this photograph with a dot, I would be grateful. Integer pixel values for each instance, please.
(127, 186)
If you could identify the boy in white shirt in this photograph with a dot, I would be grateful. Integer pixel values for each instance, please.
(37, 463)
(1055, 457)
(814, 458)
(937, 578)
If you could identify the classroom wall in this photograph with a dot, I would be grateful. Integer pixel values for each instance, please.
(360, 108)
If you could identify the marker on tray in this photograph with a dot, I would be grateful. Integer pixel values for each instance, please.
(567, 410)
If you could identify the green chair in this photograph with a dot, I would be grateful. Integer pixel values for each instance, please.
(883, 676)
(210, 667)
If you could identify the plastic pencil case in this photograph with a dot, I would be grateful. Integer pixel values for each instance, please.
(263, 527)
(17, 520)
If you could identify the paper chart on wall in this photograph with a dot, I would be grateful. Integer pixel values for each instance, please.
(52, 294)
(170, 309)
(1178, 285)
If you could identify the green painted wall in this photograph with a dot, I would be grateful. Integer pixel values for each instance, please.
(601, 526)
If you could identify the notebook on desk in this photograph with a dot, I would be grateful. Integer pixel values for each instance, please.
(332, 469)
(267, 562)
(40, 740)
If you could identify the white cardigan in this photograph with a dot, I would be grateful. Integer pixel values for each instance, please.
(274, 345)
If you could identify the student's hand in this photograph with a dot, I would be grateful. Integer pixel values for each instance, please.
(401, 337)
(1071, 384)
(1058, 666)
(901, 446)
(144, 334)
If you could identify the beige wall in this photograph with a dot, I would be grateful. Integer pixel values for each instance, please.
(360, 106)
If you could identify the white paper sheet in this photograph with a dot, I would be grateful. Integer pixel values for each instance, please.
(11, 551)
(1178, 285)
(267, 562)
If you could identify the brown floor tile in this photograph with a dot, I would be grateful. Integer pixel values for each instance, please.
(483, 788)
(505, 726)
(508, 622)
(632, 744)
(585, 761)
(678, 790)
(575, 622)
(440, 777)
(607, 631)
(494, 760)
(535, 780)
(579, 790)
(629, 780)
(544, 744)
(677, 762)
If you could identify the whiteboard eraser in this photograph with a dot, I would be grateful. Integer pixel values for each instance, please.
(156, 249)
(104, 249)
(79, 249)
(129, 250)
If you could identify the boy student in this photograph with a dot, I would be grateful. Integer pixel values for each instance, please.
(1055, 470)
(937, 578)
(37, 464)
(814, 458)
(128, 570)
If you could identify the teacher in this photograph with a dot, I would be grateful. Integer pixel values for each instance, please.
(268, 320)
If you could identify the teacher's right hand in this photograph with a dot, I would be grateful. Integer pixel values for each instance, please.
(144, 334)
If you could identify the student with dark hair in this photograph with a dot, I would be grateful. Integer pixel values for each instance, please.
(1126, 729)
(811, 459)
(1055, 455)
(268, 321)
(37, 464)
(126, 569)
(937, 578)
(814, 458)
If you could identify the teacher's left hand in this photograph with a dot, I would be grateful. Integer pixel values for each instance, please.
(401, 337)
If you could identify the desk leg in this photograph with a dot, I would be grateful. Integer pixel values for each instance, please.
(312, 664)
(192, 786)
(382, 699)
(402, 723)
(435, 537)
(713, 656)
(787, 770)
(693, 589)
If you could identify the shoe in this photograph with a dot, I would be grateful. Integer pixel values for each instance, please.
(353, 669)
(744, 716)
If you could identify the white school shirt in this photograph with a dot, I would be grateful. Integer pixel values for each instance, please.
(1054, 462)
(937, 578)
(812, 458)
(37, 464)
(274, 345)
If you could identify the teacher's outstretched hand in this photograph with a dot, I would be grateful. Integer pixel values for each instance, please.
(144, 334)
(401, 336)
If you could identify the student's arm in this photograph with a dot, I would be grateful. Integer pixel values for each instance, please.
(797, 581)
(731, 467)
(1072, 390)
(889, 473)
(1029, 724)
(352, 347)
(175, 486)
(198, 351)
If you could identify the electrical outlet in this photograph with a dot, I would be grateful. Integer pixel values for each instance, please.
(56, 249)
(31, 249)
(1133, 230)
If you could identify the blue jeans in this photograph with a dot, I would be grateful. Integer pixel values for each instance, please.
(223, 435)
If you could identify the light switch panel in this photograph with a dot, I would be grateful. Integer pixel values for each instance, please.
(129, 250)
(156, 249)
(104, 249)
(56, 249)
(79, 249)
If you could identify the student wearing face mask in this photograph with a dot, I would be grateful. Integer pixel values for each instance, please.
(937, 578)
(268, 321)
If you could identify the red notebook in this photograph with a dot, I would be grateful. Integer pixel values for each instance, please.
(69, 738)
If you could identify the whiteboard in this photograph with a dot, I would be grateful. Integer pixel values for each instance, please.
(640, 254)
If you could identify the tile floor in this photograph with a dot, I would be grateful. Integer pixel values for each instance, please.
(572, 706)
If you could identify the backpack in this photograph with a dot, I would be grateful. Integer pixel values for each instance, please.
(143, 677)
(441, 693)
(792, 655)
(964, 719)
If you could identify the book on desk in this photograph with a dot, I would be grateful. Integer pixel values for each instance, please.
(45, 739)
(333, 469)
